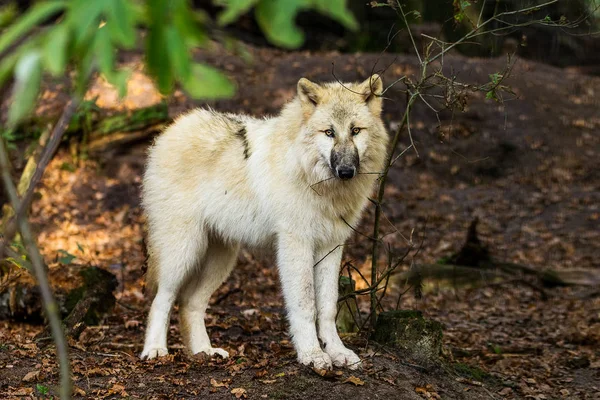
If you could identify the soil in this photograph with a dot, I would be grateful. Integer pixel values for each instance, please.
(528, 168)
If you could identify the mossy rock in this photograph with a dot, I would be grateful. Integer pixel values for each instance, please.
(347, 310)
(98, 286)
(410, 332)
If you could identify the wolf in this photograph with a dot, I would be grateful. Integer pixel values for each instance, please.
(296, 182)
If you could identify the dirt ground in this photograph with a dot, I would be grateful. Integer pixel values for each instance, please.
(528, 169)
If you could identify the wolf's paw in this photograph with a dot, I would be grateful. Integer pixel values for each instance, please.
(153, 352)
(211, 351)
(317, 358)
(344, 357)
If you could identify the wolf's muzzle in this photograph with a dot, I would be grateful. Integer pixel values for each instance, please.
(345, 161)
(345, 173)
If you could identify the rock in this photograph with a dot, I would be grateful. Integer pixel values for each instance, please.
(409, 331)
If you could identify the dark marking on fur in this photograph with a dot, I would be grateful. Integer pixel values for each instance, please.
(236, 120)
(242, 135)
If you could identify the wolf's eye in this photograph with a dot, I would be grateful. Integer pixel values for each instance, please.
(356, 131)
(330, 133)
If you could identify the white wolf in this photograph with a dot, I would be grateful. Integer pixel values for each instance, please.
(215, 181)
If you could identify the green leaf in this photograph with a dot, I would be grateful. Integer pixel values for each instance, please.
(66, 258)
(84, 18)
(28, 77)
(8, 13)
(104, 50)
(6, 67)
(17, 262)
(120, 79)
(491, 95)
(276, 19)
(84, 71)
(36, 15)
(55, 49)
(178, 54)
(105, 55)
(234, 9)
(336, 9)
(157, 57)
(121, 23)
(189, 22)
(41, 389)
(208, 83)
(158, 61)
(495, 78)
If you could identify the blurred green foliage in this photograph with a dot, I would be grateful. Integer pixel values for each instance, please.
(83, 36)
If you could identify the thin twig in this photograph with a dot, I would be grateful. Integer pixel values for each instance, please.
(378, 202)
(50, 304)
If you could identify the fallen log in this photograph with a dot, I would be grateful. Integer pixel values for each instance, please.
(473, 263)
(83, 306)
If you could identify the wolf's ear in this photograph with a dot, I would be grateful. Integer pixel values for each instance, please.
(371, 89)
(308, 92)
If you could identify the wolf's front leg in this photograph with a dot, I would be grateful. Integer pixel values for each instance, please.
(295, 260)
(327, 272)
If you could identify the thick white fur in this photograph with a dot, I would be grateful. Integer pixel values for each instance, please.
(215, 181)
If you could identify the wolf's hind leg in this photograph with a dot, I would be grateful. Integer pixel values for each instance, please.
(214, 269)
(177, 256)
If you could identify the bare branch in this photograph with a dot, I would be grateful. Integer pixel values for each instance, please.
(50, 304)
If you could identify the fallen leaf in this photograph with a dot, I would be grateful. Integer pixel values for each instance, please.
(117, 388)
(388, 380)
(132, 323)
(78, 391)
(325, 373)
(22, 392)
(505, 392)
(31, 376)
(239, 393)
(353, 379)
(216, 384)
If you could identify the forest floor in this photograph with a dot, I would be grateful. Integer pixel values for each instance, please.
(529, 169)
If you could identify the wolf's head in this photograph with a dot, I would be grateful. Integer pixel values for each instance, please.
(341, 122)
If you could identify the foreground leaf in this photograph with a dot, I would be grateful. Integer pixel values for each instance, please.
(55, 49)
(37, 14)
(234, 9)
(28, 77)
(208, 83)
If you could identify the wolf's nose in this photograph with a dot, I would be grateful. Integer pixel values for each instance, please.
(346, 173)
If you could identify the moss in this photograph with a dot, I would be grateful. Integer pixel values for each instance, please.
(470, 372)
(279, 394)
(347, 312)
(301, 383)
(409, 331)
(98, 283)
